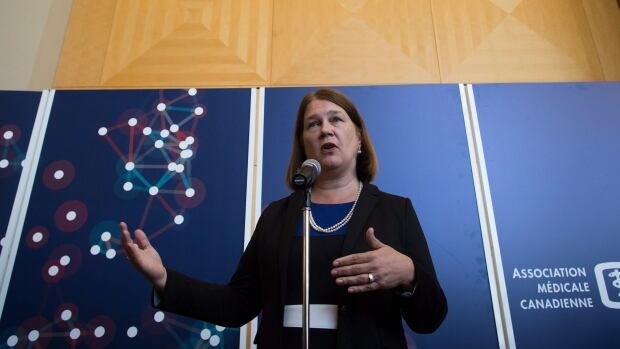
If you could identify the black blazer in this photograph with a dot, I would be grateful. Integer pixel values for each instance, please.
(367, 320)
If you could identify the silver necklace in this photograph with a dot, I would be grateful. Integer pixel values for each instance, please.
(343, 222)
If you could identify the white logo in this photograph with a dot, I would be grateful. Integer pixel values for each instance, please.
(610, 294)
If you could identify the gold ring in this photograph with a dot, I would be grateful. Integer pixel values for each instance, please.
(371, 278)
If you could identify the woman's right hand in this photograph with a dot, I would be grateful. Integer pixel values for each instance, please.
(143, 256)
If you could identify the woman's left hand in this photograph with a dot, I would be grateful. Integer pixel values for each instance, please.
(381, 268)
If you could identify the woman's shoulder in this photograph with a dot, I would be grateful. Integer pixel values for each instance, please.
(281, 205)
(387, 197)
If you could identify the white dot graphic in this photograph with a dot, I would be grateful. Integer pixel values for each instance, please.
(59, 174)
(220, 328)
(102, 131)
(189, 140)
(71, 216)
(164, 133)
(33, 335)
(183, 145)
(174, 128)
(8, 135)
(99, 331)
(4, 163)
(186, 154)
(199, 111)
(192, 91)
(205, 334)
(153, 191)
(66, 315)
(180, 168)
(132, 122)
(95, 249)
(65, 260)
(132, 331)
(161, 106)
(129, 166)
(52, 271)
(147, 131)
(37, 237)
(75, 333)
(127, 186)
(172, 167)
(105, 236)
(190, 192)
(178, 219)
(159, 316)
(12, 341)
(111, 253)
(214, 340)
(159, 143)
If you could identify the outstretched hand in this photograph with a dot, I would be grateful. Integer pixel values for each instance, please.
(143, 256)
(381, 268)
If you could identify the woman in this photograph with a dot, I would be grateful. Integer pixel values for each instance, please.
(370, 263)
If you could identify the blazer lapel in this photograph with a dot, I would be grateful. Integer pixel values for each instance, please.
(293, 213)
(365, 205)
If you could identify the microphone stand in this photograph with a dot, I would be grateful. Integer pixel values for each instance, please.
(305, 319)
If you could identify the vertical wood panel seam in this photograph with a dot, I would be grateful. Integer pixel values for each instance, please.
(596, 43)
(430, 3)
(107, 51)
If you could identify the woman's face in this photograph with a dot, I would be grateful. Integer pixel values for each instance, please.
(331, 137)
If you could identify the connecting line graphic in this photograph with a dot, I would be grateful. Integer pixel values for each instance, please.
(157, 161)
(38, 330)
(12, 154)
(202, 334)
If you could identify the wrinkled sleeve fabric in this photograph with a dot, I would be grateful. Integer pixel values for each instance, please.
(230, 305)
(425, 309)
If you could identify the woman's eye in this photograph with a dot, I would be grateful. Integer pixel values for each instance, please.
(313, 124)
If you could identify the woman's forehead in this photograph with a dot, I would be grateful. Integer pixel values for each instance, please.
(319, 107)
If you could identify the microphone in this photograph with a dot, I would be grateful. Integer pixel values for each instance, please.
(307, 173)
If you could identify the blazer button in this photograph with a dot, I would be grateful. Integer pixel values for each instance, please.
(343, 308)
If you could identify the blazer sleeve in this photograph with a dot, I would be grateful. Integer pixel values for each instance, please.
(230, 305)
(426, 309)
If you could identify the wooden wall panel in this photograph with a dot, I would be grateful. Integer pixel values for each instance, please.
(604, 21)
(332, 42)
(178, 43)
(515, 40)
(84, 48)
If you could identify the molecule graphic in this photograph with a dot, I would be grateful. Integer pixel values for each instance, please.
(11, 156)
(156, 165)
(11, 159)
(159, 166)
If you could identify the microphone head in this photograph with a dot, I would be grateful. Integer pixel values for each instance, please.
(307, 173)
(315, 164)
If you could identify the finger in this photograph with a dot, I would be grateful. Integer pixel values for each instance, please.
(125, 236)
(351, 270)
(364, 288)
(131, 250)
(357, 280)
(143, 241)
(372, 239)
(356, 258)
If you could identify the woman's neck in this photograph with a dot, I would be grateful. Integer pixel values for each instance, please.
(335, 190)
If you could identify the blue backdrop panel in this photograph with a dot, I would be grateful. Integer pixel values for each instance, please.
(552, 153)
(419, 135)
(173, 162)
(19, 109)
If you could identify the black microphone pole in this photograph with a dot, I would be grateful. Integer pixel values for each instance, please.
(304, 178)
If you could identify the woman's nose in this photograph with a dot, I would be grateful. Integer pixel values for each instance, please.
(327, 129)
